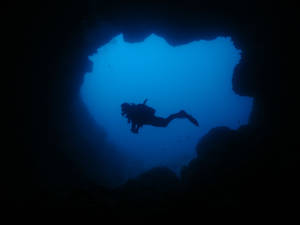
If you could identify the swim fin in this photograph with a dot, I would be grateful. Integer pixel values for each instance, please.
(193, 120)
(182, 113)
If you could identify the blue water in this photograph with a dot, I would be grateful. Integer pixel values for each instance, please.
(196, 77)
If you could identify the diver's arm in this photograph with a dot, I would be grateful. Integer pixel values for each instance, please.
(134, 128)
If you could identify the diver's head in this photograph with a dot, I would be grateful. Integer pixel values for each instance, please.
(125, 107)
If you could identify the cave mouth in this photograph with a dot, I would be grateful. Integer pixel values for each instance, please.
(196, 77)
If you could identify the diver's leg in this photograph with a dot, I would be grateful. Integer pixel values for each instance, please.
(163, 122)
(158, 122)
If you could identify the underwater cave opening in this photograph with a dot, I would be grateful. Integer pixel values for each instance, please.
(195, 77)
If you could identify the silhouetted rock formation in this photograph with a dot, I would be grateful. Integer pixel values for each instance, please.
(233, 168)
(156, 185)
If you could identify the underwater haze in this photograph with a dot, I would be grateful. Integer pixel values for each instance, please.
(195, 77)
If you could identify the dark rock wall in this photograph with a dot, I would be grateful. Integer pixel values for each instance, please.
(54, 130)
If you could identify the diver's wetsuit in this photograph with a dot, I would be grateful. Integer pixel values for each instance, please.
(140, 114)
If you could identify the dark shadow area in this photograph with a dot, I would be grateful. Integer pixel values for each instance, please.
(63, 157)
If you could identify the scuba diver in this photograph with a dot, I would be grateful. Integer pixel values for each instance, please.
(141, 114)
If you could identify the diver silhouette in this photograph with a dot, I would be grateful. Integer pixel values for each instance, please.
(141, 114)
